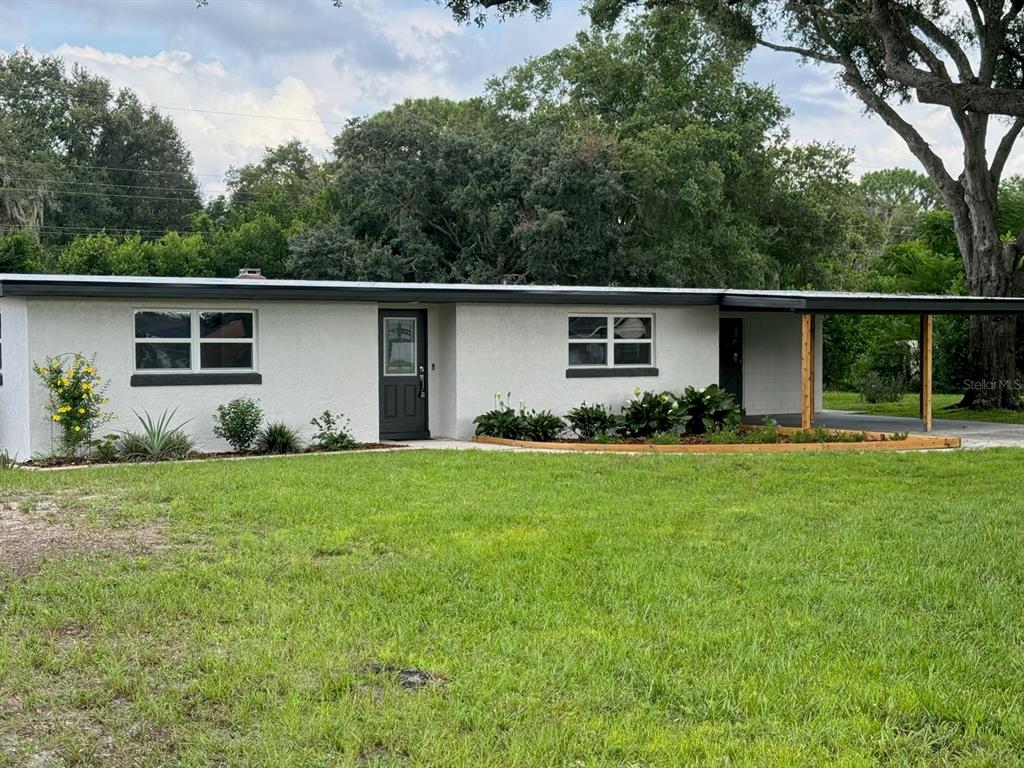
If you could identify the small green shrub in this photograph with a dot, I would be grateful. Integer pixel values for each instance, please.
(158, 440)
(665, 438)
(504, 421)
(589, 421)
(647, 413)
(725, 436)
(606, 439)
(104, 448)
(278, 437)
(767, 433)
(708, 409)
(897, 436)
(544, 426)
(7, 461)
(332, 434)
(878, 387)
(822, 435)
(238, 422)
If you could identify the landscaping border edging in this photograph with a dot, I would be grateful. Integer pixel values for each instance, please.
(877, 441)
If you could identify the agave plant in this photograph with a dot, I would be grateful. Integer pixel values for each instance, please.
(158, 440)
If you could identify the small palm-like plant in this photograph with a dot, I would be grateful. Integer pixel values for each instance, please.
(158, 440)
(278, 437)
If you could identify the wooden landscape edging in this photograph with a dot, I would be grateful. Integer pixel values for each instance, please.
(874, 443)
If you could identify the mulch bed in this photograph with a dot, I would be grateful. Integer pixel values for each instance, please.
(56, 462)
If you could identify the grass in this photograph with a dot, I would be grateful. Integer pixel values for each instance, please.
(754, 610)
(908, 406)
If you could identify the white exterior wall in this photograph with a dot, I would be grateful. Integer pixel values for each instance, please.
(312, 356)
(14, 408)
(523, 349)
(443, 356)
(771, 362)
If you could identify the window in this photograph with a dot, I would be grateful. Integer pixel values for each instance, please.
(611, 340)
(185, 340)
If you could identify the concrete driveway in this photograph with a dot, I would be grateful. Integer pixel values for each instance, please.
(973, 434)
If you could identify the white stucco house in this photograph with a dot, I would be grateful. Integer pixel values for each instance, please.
(405, 360)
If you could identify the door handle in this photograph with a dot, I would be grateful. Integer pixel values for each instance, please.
(423, 382)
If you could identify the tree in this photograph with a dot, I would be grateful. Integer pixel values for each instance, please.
(20, 252)
(455, 191)
(283, 183)
(76, 158)
(713, 195)
(965, 57)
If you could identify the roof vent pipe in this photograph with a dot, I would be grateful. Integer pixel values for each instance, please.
(250, 273)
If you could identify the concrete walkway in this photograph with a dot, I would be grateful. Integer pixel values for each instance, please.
(973, 434)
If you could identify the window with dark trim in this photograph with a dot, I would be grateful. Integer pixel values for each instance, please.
(194, 340)
(610, 341)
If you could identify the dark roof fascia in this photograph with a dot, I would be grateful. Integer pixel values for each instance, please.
(873, 305)
(252, 290)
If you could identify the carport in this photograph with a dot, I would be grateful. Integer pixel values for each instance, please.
(810, 304)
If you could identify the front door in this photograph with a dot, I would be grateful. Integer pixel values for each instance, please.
(403, 374)
(730, 357)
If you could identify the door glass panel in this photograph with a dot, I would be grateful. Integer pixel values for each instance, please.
(399, 346)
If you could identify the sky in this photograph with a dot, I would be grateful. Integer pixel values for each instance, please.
(241, 75)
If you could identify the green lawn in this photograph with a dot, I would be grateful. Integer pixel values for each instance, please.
(908, 406)
(743, 610)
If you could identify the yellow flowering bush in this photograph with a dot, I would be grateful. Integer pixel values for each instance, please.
(76, 399)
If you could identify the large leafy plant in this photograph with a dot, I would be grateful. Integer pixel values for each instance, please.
(75, 399)
(590, 421)
(648, 412)
(504, 421)
(708, 410)
(544, 426)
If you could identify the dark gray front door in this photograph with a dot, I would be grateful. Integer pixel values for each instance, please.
(403, 374)
(730, 357)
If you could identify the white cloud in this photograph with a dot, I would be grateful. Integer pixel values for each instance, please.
(823, 111)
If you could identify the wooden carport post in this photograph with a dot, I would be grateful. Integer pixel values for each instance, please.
(807, 370)
(925, 350)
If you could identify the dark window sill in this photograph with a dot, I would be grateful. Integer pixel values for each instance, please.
(193, 379)
(608, 373)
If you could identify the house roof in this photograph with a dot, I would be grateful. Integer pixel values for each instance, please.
(94, 286)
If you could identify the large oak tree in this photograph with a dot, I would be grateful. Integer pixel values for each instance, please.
(967, 57)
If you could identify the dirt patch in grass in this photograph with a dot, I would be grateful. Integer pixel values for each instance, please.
(35, 530)
(411, 678)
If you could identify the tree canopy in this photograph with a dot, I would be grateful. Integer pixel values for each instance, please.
(76, 158)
